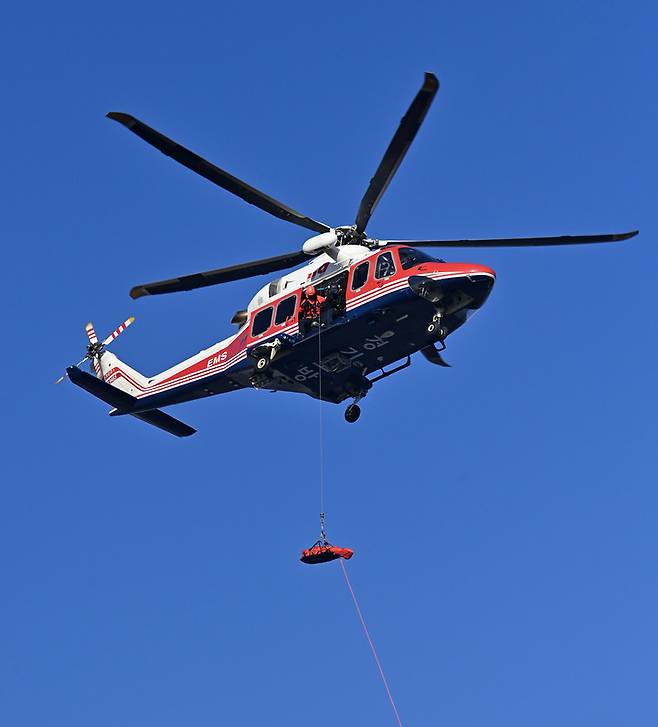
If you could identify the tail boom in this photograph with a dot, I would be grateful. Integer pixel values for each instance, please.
(123, 403)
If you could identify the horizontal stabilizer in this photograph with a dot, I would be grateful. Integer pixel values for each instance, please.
(109, 394)
(164, 421)
(124, 402)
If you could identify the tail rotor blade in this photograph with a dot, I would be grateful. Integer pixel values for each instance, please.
(91, 333)
(118, 331)
(61, 378)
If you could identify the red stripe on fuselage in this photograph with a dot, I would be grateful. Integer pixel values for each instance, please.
(221, 361)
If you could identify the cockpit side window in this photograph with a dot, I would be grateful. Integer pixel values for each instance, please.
(385, 266)
(410, 257)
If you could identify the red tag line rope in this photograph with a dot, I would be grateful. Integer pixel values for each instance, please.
(372, 646)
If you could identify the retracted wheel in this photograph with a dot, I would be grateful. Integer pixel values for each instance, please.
(352, 413)
(261, 363)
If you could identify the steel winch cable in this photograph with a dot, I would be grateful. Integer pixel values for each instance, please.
(321, 422)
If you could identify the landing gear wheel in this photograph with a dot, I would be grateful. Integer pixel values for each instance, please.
(437, 330)
(261, 364)
(352, 413)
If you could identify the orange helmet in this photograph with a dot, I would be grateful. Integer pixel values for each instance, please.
(310, 290)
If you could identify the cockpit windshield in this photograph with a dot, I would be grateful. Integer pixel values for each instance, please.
(409, 257)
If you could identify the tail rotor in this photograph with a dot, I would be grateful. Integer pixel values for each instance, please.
(95, 347)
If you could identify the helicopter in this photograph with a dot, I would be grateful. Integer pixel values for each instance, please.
(375, 302)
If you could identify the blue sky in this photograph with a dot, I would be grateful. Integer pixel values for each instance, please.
(503, 512)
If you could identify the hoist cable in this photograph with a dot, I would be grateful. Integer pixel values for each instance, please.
(372, 645)
(321, 425)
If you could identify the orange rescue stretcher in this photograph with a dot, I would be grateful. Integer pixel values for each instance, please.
(324, 552)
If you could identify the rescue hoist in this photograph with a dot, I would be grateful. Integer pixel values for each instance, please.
(322, 551)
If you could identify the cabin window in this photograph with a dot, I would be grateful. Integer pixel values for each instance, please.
(333, 289)
(262, 321)
(385, 266)
(360, 276)
(285, 310)
(410, 257)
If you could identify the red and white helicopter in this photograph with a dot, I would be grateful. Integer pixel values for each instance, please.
(380, 301)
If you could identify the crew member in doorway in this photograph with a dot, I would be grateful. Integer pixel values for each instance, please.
(310, 308)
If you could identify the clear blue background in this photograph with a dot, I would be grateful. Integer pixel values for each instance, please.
(503, 512)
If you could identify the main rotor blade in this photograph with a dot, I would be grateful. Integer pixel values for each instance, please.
(517, 241)
(221, 275)
(394, 155)
(214, 174)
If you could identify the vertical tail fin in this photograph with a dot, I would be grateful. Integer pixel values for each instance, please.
(109, 368)
(117, 373)
(118, 384)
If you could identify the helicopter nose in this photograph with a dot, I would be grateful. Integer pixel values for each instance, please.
(479, 281)
(459, 287)
(480, 270)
